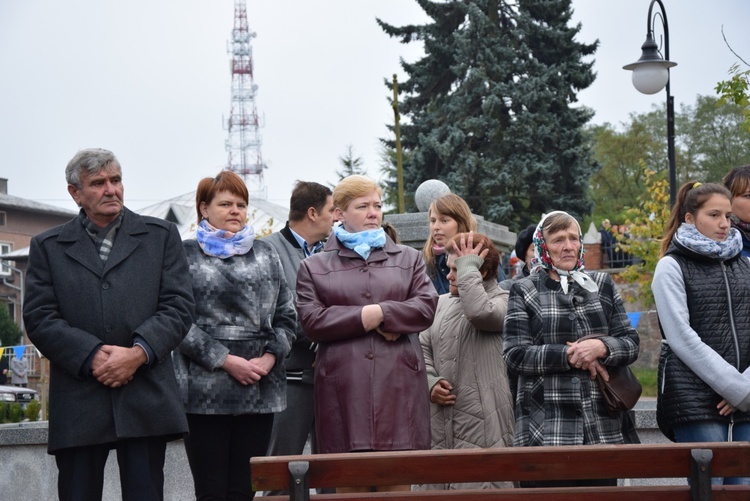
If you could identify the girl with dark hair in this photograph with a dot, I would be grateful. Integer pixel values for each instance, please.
(737, 181)
(702, 290)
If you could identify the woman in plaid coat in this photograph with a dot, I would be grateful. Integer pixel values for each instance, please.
(558, 402)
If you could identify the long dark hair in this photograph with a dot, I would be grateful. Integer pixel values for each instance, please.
(690, 199)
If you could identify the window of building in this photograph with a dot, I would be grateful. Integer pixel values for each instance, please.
(5, 247)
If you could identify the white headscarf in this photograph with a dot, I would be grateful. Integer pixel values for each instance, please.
(542, 259)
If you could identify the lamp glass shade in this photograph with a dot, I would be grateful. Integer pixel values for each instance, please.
(650, 78)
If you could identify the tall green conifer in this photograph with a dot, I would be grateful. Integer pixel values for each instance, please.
(488, 108)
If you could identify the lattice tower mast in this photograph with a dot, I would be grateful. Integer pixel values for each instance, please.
(244, 141)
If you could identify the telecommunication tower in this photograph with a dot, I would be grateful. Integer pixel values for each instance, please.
(244, 141)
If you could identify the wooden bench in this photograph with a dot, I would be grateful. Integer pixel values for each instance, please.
(698, 461)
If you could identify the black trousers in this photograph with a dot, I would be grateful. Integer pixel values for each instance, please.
(570, 483)
(219, 449)
(141, 463)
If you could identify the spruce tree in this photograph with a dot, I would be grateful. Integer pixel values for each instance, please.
(489, 107)
(351, 164)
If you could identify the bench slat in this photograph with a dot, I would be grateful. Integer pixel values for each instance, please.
(639, 493)
(508, 464)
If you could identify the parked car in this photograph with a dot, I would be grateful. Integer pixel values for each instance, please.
(11, 394)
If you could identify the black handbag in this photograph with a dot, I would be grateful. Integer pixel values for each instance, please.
(623, 389)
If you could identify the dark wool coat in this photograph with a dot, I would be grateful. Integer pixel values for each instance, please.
(369, 392)
(74, 303)
(244, 308)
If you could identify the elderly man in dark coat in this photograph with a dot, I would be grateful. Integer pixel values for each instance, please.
(108, 298)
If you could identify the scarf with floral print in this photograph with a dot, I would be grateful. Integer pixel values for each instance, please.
(217, 243)
(542, 259)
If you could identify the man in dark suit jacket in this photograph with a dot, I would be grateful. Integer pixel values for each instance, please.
(310, 223)
(107, 300)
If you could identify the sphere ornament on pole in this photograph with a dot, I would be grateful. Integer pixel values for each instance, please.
(428, 191)
(651, 75)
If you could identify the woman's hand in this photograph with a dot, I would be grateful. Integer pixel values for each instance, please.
(724, 408)
(597, 369)
(466, 247)
(441, 393)
(248, 371)
(372, 316)
(582, 354)
(389, 336)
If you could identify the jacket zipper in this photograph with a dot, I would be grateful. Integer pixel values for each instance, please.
(734, 338)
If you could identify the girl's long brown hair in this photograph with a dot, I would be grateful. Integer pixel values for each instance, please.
(690, 199)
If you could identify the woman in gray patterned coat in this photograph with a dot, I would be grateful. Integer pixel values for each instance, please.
(230, 366)
(558, 402)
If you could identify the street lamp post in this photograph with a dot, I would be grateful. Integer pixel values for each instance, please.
(650, 75)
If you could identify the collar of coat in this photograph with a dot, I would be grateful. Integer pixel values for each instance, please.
(381, 254)
(80, 246)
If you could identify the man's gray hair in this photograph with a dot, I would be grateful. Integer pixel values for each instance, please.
(91, 161)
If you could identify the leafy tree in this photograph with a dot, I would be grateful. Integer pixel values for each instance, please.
(647, 221)
(709, 141)
(713, 137)
(622, 156)
(489, 107)
(351, 164)
(735, 91)
(10, 333)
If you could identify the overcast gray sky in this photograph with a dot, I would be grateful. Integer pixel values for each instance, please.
(150, 80)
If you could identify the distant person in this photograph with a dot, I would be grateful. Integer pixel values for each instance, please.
(737, 181)
(467, 379)
(558, 400)
(19, 368)
(230, 367)
(524, 251)
(608, 243)
(4, 367)
(310, 223)
(107, 300)
(448, 215)
(701, 286)
(364, 299)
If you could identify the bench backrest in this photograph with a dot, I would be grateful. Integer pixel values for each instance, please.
(506, 464)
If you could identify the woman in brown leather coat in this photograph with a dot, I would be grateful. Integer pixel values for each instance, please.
(365, 299)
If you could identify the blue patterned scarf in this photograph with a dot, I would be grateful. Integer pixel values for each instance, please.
(216, 243)
(361, 242)
(689, 236)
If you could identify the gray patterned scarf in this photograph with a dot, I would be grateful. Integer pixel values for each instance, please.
(103, 238)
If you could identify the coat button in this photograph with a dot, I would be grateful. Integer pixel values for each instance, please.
(574, 380)
(572, 316)
(363, 270)
(368, 295)
(105, 286)
(370, 356)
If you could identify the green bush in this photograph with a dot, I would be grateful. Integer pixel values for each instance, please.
(3, 412)
(647, 378)
(32, 410)
(15, 412)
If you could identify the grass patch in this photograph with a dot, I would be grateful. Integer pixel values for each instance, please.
(647, 378)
